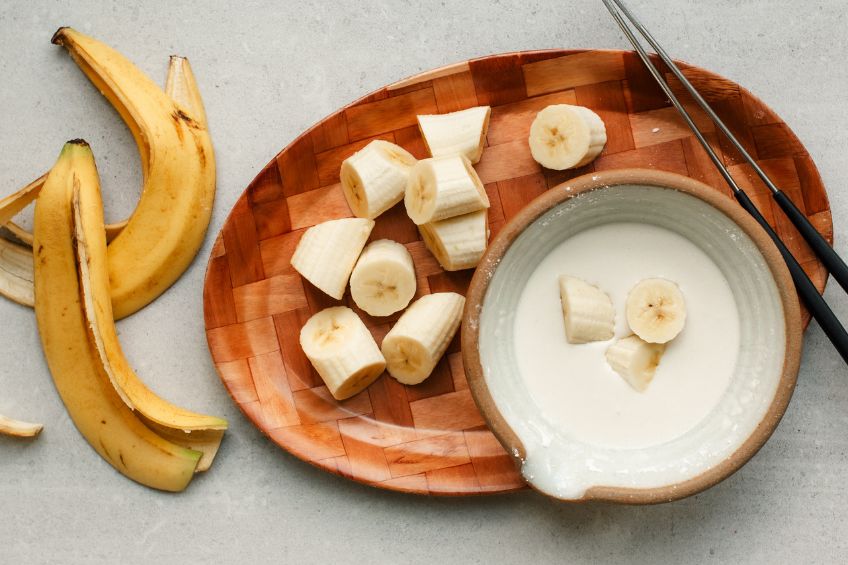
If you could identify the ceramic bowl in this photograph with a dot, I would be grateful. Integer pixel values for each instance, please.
(747, 411)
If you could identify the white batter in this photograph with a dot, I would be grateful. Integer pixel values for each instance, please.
(574, 386)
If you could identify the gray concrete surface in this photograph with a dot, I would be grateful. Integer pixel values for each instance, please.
(270, 69)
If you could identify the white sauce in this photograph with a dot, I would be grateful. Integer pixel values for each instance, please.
(574, 387)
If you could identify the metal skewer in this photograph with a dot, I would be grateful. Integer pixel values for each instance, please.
(806, 289)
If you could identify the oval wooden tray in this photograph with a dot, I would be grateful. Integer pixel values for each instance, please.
(430, 438)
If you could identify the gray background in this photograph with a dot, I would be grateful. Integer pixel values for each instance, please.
(267, 72)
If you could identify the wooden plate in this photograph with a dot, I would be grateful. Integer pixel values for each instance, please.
(431, 438)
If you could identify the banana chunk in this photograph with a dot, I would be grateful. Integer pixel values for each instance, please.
(635, 360)
(656, 310)
(457, 243)
(457, 133)
(587, 311)
(327, 252)
(383, 280)
(374, 178)
(566, 137)
(342, 350)
(443, 187)
(420, 337)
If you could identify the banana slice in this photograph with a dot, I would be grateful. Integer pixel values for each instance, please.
(374, 178)
(587, 311)
(566, 137)
(656, 310)
(443, 187)
(16, 428)
(457, 243)
(420, 337)
(328, 251)
(457, 133)
(342, 350)
(635, 360)
(383, 280)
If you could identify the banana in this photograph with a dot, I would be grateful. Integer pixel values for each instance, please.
(169, 223)
(566, 137)
(383, 280)
(418, 340)
(374, 178)
(327, 252)
(16, 428)
(188, 429)
(97, 410)
(457, 133)
(457, 243)
(586, 310)
(443, 187)
(16, 274)
(342, 350)
(635, 360)
(656, 310)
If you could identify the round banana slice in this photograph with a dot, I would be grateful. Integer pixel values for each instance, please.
(586, 310)
(342, 350)
(327, 252)
(443, 187)
(656, 310)
(635, 360)
(456, 133)
(418, 340)
(374, 178)
(383, 280)
(566, 137)
(457, 243)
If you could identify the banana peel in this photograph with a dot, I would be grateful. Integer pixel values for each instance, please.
(155, 248)
(195, 431)
(95, 407)
(16, 428)
(149, 251)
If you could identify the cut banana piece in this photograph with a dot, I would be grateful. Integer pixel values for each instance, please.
(327, 252)
(443, 187)
(420, 337)
(342, 350)
(383, 280)
(457, 243)
(98, 412)
(566, 137)
(586, 310)
(374, 178)
(656, 310)
(457, 133)
(183, 427)
(16, 428)
(635, 360)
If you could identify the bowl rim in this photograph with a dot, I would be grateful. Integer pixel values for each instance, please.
(599, 181)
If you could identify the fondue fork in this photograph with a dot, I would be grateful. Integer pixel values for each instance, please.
(826, 254)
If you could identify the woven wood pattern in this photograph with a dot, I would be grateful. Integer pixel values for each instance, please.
(430, 438)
